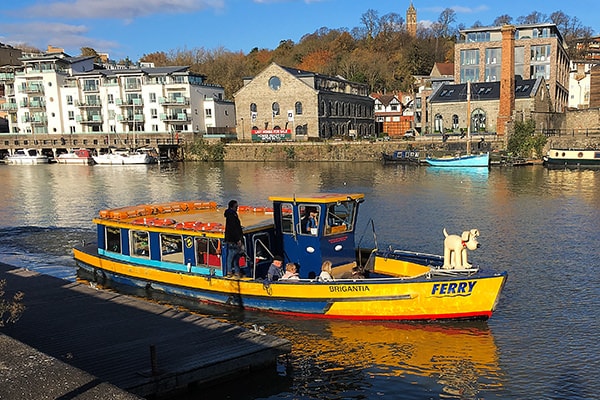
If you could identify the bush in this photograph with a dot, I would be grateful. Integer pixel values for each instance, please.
(203, 150)
(523, 141)
(10, 311)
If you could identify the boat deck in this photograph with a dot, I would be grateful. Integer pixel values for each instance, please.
(142, 347)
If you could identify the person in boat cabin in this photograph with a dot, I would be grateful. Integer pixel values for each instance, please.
(310, 220)
(275, 270)
(233, 237)
(325, 275)
(291, 272)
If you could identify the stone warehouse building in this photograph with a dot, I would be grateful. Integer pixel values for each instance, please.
(288, 103)
(449, 107)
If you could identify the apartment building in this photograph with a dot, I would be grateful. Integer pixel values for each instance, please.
(539, 51)
(55, 93)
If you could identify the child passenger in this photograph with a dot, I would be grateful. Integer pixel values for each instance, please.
(326, 271)
(291, 272)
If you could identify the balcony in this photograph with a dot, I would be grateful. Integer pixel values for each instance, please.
(7, 77)
(84, 104)
(179, 117)
(129, 103)
(90, 119)
(33, 88)
(37, 104)
(130, 118)
(9, 107)
(174, 101)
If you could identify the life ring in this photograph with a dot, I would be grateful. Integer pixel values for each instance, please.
(188, 225)
(154, 221)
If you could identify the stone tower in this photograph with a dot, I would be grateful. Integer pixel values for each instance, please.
(411, 20)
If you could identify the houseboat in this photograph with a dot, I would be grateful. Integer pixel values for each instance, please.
(572, 158)
(177, 248)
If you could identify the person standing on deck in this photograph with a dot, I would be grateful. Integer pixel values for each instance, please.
(233, 238)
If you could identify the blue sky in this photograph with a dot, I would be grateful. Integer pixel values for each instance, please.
(132, 28)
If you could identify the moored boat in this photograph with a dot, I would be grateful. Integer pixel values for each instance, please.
(125, 157)
(401, 157)
(177, 248)
(27, 157)
(78, 157)
(469, 160)
(572, 158)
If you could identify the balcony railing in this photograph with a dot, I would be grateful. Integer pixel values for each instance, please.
(174, 101)
(179, 117)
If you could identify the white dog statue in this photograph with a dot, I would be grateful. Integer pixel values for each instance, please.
(455, 249)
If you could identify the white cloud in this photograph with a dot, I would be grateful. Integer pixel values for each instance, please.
(119, 9)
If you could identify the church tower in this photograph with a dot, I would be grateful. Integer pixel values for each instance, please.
(411, 20)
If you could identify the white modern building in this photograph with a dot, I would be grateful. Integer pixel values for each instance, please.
(54, 93)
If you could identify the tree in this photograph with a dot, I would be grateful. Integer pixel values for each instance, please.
(370, 20)
(159, 59)
(445, 21)
(535, 17)
(503, 19)
(524, 141)
(88, 51)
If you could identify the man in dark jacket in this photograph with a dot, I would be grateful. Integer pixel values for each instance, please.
(233, 238)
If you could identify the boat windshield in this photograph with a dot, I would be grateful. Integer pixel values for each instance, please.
(340, 217)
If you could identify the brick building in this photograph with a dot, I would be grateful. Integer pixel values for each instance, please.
(538, 52)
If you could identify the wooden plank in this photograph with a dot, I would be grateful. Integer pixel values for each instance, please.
(110, 336)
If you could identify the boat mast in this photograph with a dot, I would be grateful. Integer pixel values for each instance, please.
(468, 117)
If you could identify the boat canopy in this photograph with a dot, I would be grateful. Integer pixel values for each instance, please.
(321, 198)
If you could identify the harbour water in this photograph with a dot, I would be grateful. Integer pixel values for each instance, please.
(542, 226)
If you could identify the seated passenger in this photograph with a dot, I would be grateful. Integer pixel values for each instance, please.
(325, 275)
(291, 272)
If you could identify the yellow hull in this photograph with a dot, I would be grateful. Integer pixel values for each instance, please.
(396, 298)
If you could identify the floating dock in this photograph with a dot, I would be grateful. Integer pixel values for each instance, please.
(138, 346)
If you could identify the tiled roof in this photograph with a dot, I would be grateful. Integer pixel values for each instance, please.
(448, 93)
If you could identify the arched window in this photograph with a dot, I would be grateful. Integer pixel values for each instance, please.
(275, 108)
(478, 120)
(455, 121)
(438, 123)
(298, 108)
(252, 107)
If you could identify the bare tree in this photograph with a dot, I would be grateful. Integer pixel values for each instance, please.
(535, 17)
(370, 20)
(504, 19)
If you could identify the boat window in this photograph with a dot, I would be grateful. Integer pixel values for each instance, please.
(113, 239)
(309, 219)
(208, 252)
(287, 218)
(340, 217)
(171, 248)
(139, 244)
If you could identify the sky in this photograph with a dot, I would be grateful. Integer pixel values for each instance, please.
(132, 28)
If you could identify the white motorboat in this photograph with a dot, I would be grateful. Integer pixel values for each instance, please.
(124, 157)
(78, 157)
(27, 157)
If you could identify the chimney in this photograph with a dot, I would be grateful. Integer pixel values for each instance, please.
(507, 80)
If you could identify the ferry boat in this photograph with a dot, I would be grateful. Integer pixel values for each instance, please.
(572, 158)
(177, 248)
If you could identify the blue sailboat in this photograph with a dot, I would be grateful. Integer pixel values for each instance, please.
(467, 160)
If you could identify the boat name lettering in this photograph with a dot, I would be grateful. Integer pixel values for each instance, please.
(453, 288)
(345, 288)
(339, 239)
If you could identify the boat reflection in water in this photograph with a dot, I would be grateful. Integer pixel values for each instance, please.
(461, 357)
